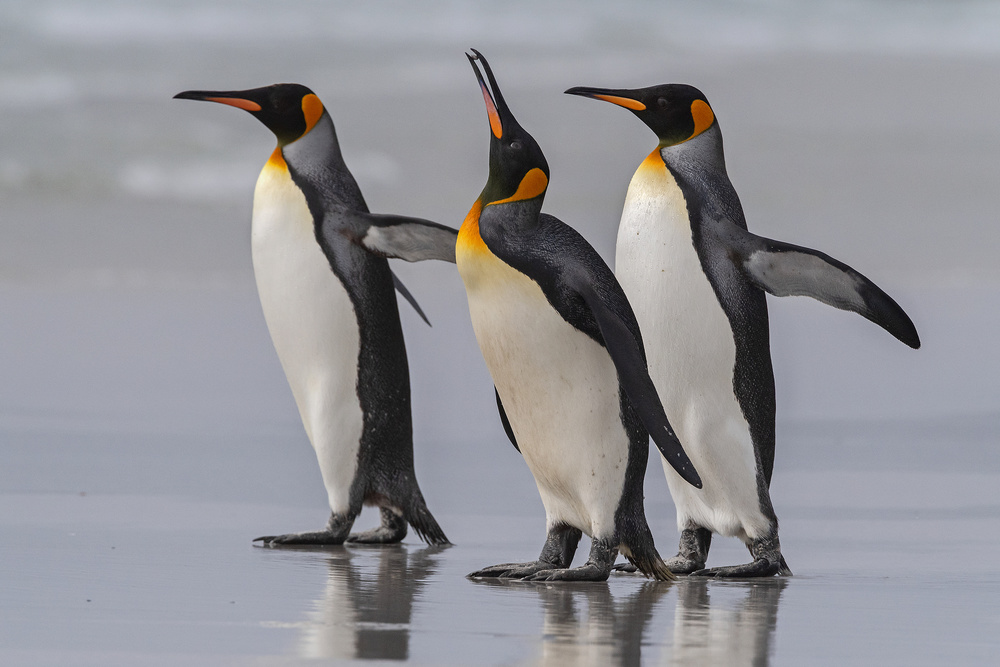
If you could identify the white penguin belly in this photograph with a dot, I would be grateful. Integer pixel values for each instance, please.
(560, 391)
(691, 354)
(313, 326)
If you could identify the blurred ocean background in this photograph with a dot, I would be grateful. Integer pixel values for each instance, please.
(141, 395)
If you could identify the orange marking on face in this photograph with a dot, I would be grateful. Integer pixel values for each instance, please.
(491, 110)
(312, 109)
(246, 105)
(469, 239)
(628, 103)
(703, 117)
(532, 185)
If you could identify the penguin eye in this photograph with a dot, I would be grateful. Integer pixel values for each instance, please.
(515, 145)
(662, 103)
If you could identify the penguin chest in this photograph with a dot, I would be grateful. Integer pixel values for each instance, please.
(312, 323)
(691, 352)
(559, 389)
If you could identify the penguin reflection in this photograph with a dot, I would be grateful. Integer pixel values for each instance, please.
(708, 632)
(366, 608)
(585, 625)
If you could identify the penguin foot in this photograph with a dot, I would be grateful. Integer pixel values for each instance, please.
(586, 572)
(314, 538)
(392, 530)
(759, 568)
(681, 565)
(513, 570)
(626, 567)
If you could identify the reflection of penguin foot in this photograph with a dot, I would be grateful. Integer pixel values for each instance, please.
(392, 530)
(513, 570)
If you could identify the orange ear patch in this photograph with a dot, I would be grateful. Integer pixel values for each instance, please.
(246, 105)
(703, 117)
(628, 103)
(532, 185)
(312, 109)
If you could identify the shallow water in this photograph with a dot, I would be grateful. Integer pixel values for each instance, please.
(147, 433)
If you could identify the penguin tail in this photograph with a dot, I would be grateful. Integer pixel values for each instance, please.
(784, 570)
(639, 550)
(423, 522)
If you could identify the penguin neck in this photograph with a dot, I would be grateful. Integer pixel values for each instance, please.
(315, 159)
(696, 156)
(516, 217)
(316, 149)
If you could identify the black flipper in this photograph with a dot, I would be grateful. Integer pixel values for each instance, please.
(410, 239)
(401, 288)
(506, 422)
(626, 353)
(783, 269)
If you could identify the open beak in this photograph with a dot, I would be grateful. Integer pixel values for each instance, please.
(619, 96)
(496, 107)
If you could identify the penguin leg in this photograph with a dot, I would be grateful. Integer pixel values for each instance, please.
(392, 530)
(692, 552)
(597, 568)
(560, 546)
(337, 530)
(767, 561)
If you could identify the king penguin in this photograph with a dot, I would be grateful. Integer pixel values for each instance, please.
(564, 350)
(697, 280)
(325, 287)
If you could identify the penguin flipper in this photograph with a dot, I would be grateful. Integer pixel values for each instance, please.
(506, 422)
(410, 239)
(633, 374)
(783, 269)
(401, 288)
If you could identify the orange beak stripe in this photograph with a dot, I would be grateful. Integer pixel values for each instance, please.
(246, 105)
(628, 103)
(491, 110)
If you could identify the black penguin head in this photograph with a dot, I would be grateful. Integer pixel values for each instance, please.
(289, 110)
(675, 111)
(518, 170)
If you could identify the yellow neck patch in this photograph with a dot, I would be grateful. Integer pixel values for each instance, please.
(532, 185)
(277, 160)
(703, 117)
(469, 240)
(653, 161)
(312, 109)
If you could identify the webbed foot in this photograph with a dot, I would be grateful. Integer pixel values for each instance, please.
(586, 572)
(392, 530)
(314, 538)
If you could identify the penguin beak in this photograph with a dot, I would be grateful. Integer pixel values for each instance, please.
(241, 99)
(496, 107)
(621, 97)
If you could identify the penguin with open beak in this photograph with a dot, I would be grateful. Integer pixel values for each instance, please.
(566, 357)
